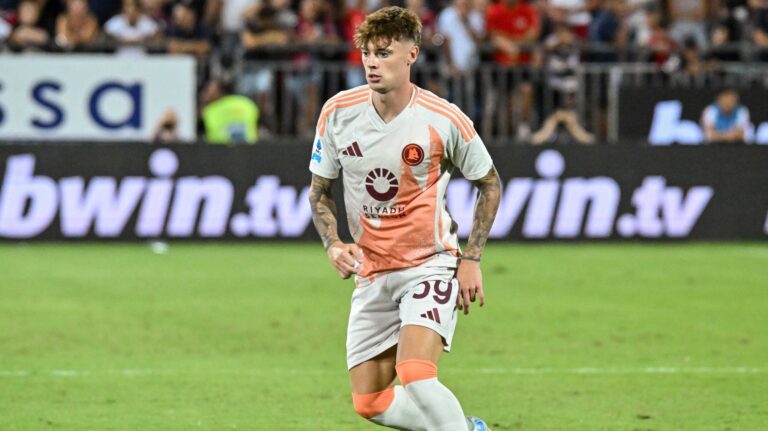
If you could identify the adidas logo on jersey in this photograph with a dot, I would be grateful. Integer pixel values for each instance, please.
(432, 315)
(353, 150)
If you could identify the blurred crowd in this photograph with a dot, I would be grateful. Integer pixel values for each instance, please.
(459, 35)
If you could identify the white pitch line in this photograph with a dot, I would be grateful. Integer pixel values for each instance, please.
(305, 371)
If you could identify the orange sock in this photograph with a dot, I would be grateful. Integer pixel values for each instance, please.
(370, 405)
(412, 370)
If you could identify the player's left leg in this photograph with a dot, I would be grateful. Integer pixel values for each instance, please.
(418, 350)
(428, 319)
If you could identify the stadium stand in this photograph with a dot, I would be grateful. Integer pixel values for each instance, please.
(290, 56)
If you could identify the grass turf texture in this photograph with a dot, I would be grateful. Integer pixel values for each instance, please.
(251, 337)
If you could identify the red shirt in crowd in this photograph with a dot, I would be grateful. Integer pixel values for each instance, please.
(354, 17)
(512, 21)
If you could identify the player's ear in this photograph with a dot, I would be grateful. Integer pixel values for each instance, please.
(413, 54)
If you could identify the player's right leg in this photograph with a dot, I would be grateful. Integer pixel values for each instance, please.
(376, 397)
(372, 334)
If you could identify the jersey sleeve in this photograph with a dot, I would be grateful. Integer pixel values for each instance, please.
(324, 161)
(467, 151)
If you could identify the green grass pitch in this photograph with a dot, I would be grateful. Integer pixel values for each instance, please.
(251, 337)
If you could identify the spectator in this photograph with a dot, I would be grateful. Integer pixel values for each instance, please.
(726, 120)
(608, 25)
(76, 26)
(575, 13)
(156, 10)
(426, 16)
(462, 29)
(50, 11)
(205, 11)
(608, 29)
(232, 14)
(688, 19)
(425, 76)
(661, 45)
(185, 35)
(732, 18)
(562, 60)
(227, 117)
(510, 24)
(8, 14)
(315, 27)
(481, 6)
(268, 25)
(229, 18)
(5, 30)
(167, 128)
(760, 27)
(354, 15)
(27, 35)
(513, 26)
(636, 21)
(131, 28)
(264, 27)
(103, 10)
(8, 5)
(691, 58)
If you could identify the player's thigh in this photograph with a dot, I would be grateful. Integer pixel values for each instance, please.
(374, 375)
(427, 312)
(419, 342)
(374, 321)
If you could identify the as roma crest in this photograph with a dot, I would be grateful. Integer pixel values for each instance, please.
(413, 154)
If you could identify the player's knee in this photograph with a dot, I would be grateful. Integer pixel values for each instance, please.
(412, 370)
(372, 405)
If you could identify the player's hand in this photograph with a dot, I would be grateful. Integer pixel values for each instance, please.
(345, 258)
(470, 285)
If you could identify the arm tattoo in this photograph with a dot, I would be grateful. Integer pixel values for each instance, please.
(323, 210)
(485, 211)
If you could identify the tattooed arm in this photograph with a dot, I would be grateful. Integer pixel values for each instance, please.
(345, 258)
(469, 275)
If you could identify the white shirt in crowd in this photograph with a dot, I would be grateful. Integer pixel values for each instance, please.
(713, 117)
(463, 48)
(122, 30)
(577, 15)
(5, 29)
(233, 14)
(637, 21)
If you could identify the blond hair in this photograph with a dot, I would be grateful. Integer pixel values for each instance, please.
(387, 25)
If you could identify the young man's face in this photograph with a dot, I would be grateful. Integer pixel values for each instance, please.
(388, 64)
(728, 101)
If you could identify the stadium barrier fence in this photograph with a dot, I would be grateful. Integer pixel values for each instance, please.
(291, 94)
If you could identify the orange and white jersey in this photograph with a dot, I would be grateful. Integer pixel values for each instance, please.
(396, 174)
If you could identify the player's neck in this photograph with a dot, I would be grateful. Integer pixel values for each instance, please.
(390, 104)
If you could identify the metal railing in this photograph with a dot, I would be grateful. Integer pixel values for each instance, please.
(500, 100)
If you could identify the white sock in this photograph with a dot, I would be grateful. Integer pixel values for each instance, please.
(439, 407)
(402, 414)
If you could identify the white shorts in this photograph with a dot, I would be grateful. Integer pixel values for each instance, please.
(424, 295)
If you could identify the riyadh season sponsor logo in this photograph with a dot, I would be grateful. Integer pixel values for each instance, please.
(381, 184)
(166, 205)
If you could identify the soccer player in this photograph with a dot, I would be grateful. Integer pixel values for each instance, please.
(398, 145)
